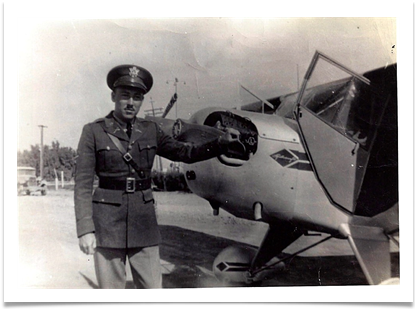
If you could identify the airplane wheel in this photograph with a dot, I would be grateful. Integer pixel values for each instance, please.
(232, 264)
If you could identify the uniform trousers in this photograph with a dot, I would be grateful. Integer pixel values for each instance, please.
(110, 266)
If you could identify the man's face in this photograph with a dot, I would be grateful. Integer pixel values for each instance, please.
(128, 101)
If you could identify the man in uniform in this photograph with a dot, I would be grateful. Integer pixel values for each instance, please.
(118, 220)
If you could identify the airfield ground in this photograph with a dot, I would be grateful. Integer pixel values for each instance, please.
(49, 257)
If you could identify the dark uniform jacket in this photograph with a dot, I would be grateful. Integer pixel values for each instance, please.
(120, 219)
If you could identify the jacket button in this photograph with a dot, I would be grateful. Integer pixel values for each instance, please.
(129, 147)
(142, 174)
(148, 146)
(133, 170)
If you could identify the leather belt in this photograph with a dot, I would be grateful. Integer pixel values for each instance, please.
(128, 184)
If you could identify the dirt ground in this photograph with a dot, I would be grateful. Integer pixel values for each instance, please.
(49, 257)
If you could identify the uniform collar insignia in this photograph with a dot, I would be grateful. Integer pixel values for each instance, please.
(134, 71)
(111, 126)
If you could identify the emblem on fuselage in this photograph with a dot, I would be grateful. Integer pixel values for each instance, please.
(292, 159)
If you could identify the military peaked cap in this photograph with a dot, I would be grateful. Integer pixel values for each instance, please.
(130, 75)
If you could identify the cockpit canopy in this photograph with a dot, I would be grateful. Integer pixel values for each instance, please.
(349, 105)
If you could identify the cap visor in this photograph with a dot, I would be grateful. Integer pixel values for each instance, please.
(131, 82)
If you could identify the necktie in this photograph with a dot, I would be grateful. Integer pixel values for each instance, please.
(129, 129)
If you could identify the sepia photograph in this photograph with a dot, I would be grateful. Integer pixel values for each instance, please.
(254, 158)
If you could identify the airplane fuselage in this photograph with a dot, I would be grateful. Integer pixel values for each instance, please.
(278, 177)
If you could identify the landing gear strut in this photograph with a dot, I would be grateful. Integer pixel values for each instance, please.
(248, 266)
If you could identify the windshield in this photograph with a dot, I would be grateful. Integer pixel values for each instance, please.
(343, 101)
(286, 108)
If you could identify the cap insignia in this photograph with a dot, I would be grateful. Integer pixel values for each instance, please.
(134, 71)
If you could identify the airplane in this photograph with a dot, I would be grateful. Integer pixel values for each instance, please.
(322, 160)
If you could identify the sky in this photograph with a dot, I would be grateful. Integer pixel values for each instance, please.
(57, 55)
(63, 62)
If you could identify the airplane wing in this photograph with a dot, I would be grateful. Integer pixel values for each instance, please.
(257, 106)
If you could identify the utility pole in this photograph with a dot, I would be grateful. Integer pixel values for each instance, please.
(155, 111)
(176, 81)
(41, 163)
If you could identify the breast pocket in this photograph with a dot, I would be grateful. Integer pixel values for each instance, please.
(147, 151)
(109, 159)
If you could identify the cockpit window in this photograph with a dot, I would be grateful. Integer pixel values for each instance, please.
(346, 103)
(286, 108)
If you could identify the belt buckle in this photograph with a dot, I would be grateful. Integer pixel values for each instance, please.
(130, 185)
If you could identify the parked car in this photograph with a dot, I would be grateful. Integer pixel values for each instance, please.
(28, 183)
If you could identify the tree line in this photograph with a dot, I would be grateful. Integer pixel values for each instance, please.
(55, 160)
